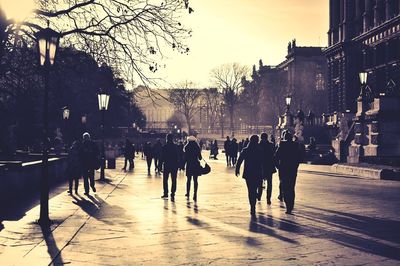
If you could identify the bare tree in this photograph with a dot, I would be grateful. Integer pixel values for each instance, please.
(129, 35)
(185, 99)
(228, 79)
(212, 100)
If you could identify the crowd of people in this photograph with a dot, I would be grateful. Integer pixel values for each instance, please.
(260, 155)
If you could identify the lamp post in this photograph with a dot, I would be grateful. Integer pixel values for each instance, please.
(47, 43)
(104, 99)
(288, 101)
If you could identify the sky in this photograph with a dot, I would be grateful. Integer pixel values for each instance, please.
(244, 31)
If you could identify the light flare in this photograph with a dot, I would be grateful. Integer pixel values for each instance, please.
(17, 10)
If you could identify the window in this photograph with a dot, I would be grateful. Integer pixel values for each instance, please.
(319, 82)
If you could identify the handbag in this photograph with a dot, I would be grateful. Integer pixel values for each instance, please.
(203, 170)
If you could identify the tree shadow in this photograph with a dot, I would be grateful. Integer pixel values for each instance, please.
(52, 248)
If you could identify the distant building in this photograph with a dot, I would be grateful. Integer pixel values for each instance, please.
(157, 110)
(364, 35)
(302, 74)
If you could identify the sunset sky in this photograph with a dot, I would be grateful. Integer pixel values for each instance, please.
(245, 31)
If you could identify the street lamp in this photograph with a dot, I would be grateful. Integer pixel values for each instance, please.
(363, 77)
(288, 100)
(104, 99)
(47, 43)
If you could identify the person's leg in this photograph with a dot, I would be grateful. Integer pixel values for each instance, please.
(148, 160)
(174, 174)
(165, 183)
(91, 177)
(259, 190)
(188, 181)
(227, 159)
(196, 186)
(86, 181)
(125, 163)
(269, 188)
(280, 197)
(155, 164)
(76, 184)
(70, 179)
(252, 193)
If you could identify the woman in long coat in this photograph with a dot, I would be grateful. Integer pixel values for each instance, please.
(192, 159)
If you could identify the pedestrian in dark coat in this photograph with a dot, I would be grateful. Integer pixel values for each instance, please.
(268, 166)
(234, 151)
(129, 153)
(90, 160)
(288, 158)
(157, 149)
(252, 173)
(148, 152)
(192, 162)
(214, 150)
(241, 146)
(74, 170)
(227, 146)
(170, 163)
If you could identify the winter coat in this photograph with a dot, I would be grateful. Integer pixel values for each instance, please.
(267, 151)
(192, 158)
(170, 157)
(252, 157)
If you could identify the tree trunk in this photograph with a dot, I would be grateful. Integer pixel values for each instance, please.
(232, 126)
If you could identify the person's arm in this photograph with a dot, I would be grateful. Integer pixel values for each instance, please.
(239, 162)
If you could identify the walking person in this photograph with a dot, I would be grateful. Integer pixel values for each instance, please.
(128, 155)
(157, 149)
(74, 166)
(251, 155)
(288, 158)
(214, 150)
(227, 146)
(234, 151)
(268, 167)
(90, 161)
(192, 162)
(170, 163)
(148, 152)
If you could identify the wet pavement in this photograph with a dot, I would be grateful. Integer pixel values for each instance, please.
(337, 220)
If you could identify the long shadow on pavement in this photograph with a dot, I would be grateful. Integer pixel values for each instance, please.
(386, 230)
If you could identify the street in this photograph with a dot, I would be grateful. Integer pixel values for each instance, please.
(337, 220)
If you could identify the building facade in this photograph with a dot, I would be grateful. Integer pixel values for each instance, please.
(364, 36)
(302, 74)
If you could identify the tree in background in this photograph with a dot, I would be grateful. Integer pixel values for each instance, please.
(185, 99)
(251, 96)
(212, 99)
(228, 79)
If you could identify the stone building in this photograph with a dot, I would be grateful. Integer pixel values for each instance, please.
(302, 74)
(363, 36)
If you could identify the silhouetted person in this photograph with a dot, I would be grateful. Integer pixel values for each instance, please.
(170, 163)
(234, 151)
(240, 146)
(245, 143)
(273, 141)
(90, 161)
(227, 146)
(129, 153)
(251, 155)
(157, 148)
(214, 150)
(201, 144)
(148, 152)
(287, 158)
(181, 156)
(74, 170)
(192, 162)
(268, 167)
